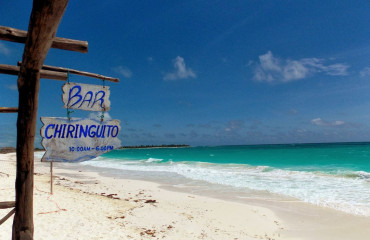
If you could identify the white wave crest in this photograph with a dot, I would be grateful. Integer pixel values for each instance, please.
(346, 194)
(153, 160)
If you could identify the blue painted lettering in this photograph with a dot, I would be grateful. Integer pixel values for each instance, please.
(70, 130)
(92, 134)
(57, 131)
(114, 134)
(80, 131)
(76, 130)
(100, 99)
(64, 130)
(46, 131)
(83, 131)
(99, 133)
(109, 128)
(76, 95)
(88, 97)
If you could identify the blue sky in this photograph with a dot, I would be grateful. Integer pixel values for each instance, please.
(212, 72)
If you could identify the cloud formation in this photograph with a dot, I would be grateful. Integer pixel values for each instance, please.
(180, 72)
(234, 125)
(273, 69)
(365, 72)
(13, 87)
(4, 50)
(124, 71)
(321, 122)
(98, 115)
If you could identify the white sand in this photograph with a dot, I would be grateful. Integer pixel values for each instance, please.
(82, 208)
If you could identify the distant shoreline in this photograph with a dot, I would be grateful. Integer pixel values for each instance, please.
(156, 146)
(5, 150)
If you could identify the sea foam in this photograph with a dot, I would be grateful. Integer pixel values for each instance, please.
(343, 192)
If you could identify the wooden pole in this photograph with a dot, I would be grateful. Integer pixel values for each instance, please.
(15, 70)
(7, 216)
(8, 109)
(77, 72)
(20, 36)
(81, 73)
(4, 205)
(44, 21)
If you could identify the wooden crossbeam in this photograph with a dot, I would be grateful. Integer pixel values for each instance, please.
(77, 72)
(14, 70)
(8, 110)
(9, 204)
(7, 216)
(20, 36)
(81, 73)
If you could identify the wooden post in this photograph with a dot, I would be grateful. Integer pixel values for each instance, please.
(44, 21)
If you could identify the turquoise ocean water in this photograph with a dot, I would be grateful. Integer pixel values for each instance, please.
(333, 175)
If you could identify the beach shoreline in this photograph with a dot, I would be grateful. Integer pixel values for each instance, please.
(89, 205)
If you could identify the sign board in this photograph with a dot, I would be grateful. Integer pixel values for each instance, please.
(77, 140)
(86, 97)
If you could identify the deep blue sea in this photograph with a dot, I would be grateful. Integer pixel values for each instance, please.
(333, 175)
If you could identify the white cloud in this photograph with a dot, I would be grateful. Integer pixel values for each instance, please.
(234, 125)
(293, 111)
(317, 65)
(338, 69)
(180, 72)
(98, 116)
(273, 69)
(269, 62)
(13, 87)
(4, 50)
(321, 122)
(294, 70)
(124, 71)
(365, 72)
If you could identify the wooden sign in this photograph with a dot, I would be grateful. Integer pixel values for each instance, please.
(86, 97)
(77, 140)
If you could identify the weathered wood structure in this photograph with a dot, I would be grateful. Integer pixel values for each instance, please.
(5, 205)
(8, 109)
(55, 73)
(15, 70)
(78, 72)
(44, 21)
(20, 36)
(8, 204)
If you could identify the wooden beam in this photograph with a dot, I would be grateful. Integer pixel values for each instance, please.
(44, 21)
(81, 73)
(4, 205)
(8, 110)
(77, 72)
(7, 216)
(19, 36)
(14, 70)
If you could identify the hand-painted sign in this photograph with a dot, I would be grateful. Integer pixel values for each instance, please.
(78, 140)
(86, 97)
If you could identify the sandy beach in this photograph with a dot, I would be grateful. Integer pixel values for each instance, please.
(87, 205)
